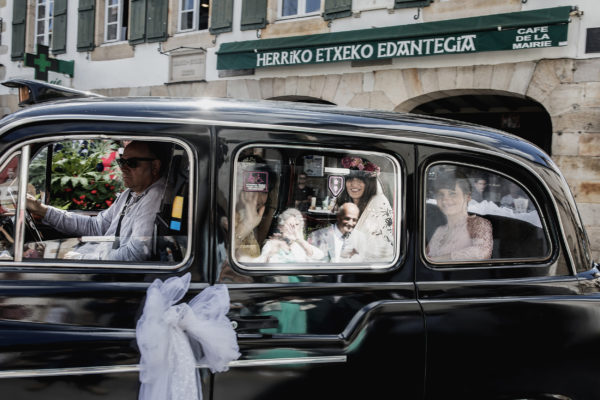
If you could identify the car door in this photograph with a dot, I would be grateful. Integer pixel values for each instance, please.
(323, 328)
(509, 321)
(68, 325)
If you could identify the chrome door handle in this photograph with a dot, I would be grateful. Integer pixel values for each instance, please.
(254, 322)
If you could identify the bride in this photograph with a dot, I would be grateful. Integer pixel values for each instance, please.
(376, 215)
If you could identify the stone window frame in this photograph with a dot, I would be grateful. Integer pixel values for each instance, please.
(194, 11)
(301, 6)
(104, 51)
(48, 16)
(119, 22)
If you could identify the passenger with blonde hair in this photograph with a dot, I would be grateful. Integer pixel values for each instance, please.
(288, 244)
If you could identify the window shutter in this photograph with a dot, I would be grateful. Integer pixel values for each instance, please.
(86, 21)
(137, 29)
(337, 9)
(156, 20)
(411, 3)
(254, 14)
(17, 50)
(59, 31)
(221, 17)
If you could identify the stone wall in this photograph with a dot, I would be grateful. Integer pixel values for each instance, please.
(574, 101)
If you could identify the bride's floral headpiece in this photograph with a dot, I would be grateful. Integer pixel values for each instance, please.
(360, 164)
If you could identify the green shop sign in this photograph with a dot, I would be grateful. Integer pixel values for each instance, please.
(513, 31)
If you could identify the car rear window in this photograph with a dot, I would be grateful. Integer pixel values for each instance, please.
(473, 215)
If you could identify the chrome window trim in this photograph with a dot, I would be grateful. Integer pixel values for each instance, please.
(8, 159)
(120, 369)
(411, 127)
(443, 265)
(272, 267)
(149, 265)
(21, 203)
(4, 165)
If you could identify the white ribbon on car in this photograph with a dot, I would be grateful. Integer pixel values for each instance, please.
(173, 339)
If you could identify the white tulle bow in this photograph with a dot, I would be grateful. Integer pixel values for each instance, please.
(173, 339)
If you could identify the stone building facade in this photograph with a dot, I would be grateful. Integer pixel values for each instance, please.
(560, 82)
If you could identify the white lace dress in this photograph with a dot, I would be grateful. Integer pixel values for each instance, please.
(469, 240)
(377, 223)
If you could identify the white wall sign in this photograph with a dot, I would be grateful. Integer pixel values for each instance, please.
(188, 67)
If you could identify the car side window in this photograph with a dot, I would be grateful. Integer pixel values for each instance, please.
(474, 215)
(107, 201)
(309, 208)
(9, 173)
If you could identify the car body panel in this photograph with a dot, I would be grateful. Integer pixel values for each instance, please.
(413, 330)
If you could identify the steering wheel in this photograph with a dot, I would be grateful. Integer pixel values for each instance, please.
(7, 229)
(33, 230)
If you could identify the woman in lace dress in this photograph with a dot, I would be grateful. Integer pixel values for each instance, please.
(464, 237)
(376, 215)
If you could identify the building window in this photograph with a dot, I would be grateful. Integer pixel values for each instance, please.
(298, 8)
(43, 21)
(116, 20)
(193, 15)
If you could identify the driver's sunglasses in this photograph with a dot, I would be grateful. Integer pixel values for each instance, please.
(132, 162)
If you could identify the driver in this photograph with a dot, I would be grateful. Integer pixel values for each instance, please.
(129, 220)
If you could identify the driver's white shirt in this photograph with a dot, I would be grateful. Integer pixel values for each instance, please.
(136, 229)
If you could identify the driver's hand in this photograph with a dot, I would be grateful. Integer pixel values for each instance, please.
(35, 206)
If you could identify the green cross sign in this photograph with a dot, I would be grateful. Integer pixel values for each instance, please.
(43, 63)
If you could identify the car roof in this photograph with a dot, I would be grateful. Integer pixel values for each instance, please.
(322, 118)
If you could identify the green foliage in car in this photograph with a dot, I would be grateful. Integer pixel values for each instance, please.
(84, 174)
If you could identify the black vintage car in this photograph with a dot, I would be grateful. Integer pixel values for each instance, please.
(448, 294)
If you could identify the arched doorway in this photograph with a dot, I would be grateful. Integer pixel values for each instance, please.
(518, 115)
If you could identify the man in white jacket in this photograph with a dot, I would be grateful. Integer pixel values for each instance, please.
(340, 242)
(126, 226)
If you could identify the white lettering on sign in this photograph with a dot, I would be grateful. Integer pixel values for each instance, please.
(366, 51)
(537, 29)
(295, 57)
(352, 52)
(421, 47)
(500, 39)
(533, 37)
(306, 56)
(319, 55)
(531, 45)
